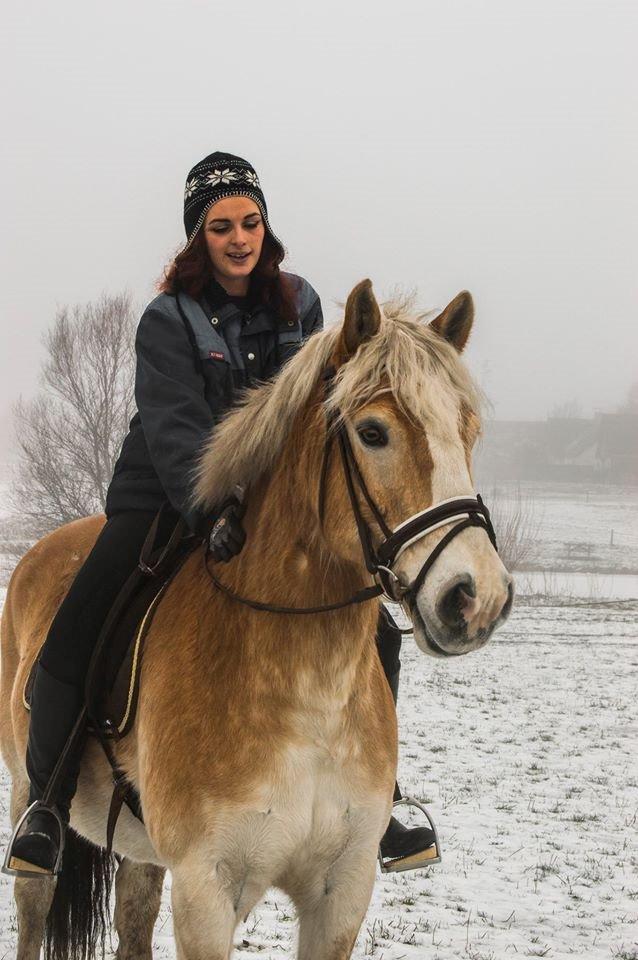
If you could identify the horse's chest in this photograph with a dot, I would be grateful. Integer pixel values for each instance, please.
(316, 780)
(307, 810)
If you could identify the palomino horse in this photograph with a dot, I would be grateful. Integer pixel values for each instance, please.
(265, 744)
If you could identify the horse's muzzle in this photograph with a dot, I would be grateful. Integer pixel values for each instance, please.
(462, 622)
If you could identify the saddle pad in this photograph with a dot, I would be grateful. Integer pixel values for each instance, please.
(114, 674)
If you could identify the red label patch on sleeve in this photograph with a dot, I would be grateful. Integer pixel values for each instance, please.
(215, 355)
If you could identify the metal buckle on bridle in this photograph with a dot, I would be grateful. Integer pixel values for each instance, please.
(393, 587)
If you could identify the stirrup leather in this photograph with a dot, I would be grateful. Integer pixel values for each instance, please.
(415, 861)
(14, 866)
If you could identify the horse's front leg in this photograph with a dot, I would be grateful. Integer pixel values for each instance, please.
(204, 916)
(33, 897)
(332, 908)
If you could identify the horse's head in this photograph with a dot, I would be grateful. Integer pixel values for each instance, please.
(412, 415)
(402, 410)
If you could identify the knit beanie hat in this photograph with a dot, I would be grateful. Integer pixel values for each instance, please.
(217, 176)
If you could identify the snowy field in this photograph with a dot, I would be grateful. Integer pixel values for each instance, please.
(526, 755)
(589, 527)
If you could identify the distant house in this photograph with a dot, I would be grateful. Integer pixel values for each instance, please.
(618, 444)
(604, 447)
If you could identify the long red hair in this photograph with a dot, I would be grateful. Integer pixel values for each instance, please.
(192, 270)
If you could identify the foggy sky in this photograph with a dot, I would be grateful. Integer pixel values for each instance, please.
(491, 146)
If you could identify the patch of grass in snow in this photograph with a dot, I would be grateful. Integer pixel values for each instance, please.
(375, 934)
(583, 817)
(545, 868)
(625, 953)
(573, 790)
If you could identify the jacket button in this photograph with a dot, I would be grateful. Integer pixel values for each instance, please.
(251, 356)
(214, 321)
(291, 323)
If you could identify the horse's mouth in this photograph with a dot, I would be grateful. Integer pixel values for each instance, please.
(433, 647)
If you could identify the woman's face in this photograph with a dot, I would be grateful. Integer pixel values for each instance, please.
(234, 231)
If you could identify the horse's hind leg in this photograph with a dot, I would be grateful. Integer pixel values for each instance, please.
(138, 892)
(33, 897)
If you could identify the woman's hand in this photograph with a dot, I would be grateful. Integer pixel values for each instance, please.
(227, 536)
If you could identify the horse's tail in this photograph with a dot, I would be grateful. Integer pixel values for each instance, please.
(80, 915)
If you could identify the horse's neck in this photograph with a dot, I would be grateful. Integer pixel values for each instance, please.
(284, 563)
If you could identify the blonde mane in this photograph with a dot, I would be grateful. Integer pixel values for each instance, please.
(423, 372)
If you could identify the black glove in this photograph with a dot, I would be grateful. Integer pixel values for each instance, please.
(227, 536)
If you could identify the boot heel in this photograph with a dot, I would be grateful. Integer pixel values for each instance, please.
(413, 859)
(17, 866)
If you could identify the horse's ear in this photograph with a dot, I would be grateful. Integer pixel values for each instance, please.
(362, 318)
(455, 323)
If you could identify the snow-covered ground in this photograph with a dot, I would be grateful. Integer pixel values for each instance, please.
(525, 753)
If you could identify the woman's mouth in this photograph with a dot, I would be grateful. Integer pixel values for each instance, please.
(238, 257)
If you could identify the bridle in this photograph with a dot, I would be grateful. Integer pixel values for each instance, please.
(463, 511)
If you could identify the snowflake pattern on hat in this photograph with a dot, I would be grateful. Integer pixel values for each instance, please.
(221, 176)
(191, 186)
(215, 177)
(251, 177)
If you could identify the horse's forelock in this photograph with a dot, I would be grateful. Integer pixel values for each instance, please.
(423, 372)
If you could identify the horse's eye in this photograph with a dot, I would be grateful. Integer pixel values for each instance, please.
(372, 436)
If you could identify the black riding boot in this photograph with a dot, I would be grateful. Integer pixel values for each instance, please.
(401, 846)
(401, 842)
(54, 749)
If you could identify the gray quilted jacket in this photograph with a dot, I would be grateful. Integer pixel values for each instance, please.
(187, 377)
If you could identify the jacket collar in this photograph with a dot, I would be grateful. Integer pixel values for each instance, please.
(261, 317)
(216, 296)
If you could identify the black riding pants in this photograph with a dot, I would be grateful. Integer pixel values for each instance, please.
(75, 628)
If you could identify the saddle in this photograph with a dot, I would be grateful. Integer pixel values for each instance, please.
(112, 684)
(113, 679)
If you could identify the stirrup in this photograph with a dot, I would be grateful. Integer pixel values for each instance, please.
(415, 861)
(15, 867)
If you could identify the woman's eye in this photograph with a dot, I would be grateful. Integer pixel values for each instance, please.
(249, 226)
(373, 436)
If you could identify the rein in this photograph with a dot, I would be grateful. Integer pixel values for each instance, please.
(463, 511)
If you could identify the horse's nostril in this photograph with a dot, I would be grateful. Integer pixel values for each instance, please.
(455, 600)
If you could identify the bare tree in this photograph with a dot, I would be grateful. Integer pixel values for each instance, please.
(516, 524)
(570, 410)
(69, 435)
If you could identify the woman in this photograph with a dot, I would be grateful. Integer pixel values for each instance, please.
(226, 317)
